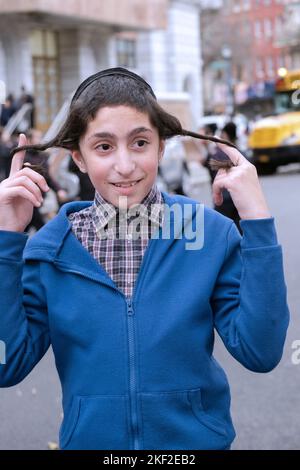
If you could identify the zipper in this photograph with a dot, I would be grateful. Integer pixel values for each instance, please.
(131, 350)
(132, 375)
(131, 337)
(131, 347)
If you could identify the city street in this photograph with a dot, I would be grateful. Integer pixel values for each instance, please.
(265, 407)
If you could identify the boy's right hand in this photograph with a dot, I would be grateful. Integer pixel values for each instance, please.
(19, 193)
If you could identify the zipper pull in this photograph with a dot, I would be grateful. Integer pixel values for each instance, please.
(129, 308)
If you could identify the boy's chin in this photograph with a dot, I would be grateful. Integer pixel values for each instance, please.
(126, 202)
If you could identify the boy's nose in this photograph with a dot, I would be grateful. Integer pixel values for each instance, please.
(125, 164)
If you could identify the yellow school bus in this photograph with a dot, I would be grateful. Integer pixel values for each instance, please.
(275, 140)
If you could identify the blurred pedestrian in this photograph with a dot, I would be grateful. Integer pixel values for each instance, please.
(8, 109)
(7, 143)
(5, 160)
(25, 98)
(173, 166)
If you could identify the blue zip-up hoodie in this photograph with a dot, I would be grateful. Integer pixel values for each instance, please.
(139, 373)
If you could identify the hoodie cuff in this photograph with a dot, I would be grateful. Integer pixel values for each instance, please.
(258, 233)
(12, 244)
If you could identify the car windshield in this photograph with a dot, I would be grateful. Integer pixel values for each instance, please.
(287, 101)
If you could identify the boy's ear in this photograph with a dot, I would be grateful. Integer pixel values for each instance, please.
(78, 160)
(161, 150)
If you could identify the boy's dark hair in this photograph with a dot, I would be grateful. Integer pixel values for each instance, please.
(114, 87)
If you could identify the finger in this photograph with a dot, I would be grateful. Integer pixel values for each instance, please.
(221, 173)
(18, 158)
(218, 198)
(217, 187)
(27, 183)
(20, 191)
(235, 156)
(34, 176)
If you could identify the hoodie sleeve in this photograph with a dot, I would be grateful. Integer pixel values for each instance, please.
(250, 301)
(23, 313)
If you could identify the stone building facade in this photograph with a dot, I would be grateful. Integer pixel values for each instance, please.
(49, 47)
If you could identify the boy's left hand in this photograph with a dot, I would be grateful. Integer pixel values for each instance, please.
(242, 183)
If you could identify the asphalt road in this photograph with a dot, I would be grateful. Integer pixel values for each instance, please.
(265, 407)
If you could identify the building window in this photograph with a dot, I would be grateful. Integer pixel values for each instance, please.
(247, 4)
(268, 28)
(126, 52)
(236, 6)
(257, 29)
(259, 68)
(44, 52)
(278, 25)
(239, 72)
(270, 67)
(281, 61)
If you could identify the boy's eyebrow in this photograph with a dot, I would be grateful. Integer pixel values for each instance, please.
(108, 135)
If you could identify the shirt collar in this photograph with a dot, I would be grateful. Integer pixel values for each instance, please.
(151, 207)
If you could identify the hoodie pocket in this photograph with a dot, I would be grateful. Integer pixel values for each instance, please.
(211, 422)
(95, 422)
(177, 420)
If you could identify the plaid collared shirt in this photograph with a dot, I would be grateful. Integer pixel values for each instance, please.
(116, 238)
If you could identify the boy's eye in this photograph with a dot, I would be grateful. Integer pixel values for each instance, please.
(141, 143)
(103, 147)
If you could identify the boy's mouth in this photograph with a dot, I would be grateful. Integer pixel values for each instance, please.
(126, 184)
